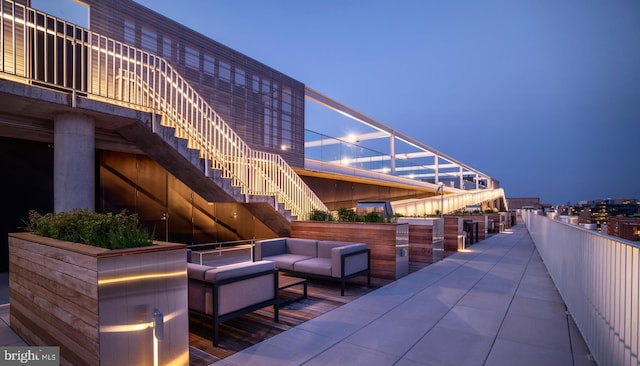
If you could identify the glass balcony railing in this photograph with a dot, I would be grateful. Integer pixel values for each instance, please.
(333, 150)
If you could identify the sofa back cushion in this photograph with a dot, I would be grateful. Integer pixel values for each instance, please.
(236, 270)
(270, 247)
(302, 247)
(325, 246)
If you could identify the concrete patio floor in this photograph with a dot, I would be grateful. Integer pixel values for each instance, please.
(493, 304)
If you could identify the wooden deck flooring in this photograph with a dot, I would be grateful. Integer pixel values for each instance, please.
(247, 330)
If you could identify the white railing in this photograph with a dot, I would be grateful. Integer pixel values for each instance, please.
(448, 203)
(39, 48)
(598, 277)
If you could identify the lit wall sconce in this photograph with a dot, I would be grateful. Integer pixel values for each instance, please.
(158, 325)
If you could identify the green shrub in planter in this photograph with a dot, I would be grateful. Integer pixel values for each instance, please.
(319, 215)
(348, 215)
(111, 231)
(372, 217)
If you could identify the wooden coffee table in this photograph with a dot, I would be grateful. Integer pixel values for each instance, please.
(285, 282)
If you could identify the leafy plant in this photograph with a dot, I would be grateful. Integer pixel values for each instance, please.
(319, 215)
(348, 215)
(112, 231)
(373, 217)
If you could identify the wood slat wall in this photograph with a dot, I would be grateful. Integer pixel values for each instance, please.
(381, 239)
(56, 299)
(482, 224)
(421, 243)
(452, 228)
(55, 302)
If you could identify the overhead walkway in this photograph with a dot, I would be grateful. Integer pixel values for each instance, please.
(493, 304)
(433, 198)
(448, 203)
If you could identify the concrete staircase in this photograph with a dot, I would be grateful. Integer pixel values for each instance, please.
(173, 153)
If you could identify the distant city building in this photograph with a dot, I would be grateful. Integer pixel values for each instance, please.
(624, 227)
(609, 216)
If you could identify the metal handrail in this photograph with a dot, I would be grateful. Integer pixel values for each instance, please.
(447, 203)
(33, 42)
(598, 277)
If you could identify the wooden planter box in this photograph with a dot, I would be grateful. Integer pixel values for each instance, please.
(97, 304)
(425, 239)
(482, 221)
(389, 243)
(454, 230)
(453, 233)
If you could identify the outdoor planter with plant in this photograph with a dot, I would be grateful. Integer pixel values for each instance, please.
(110, 231)
(93, 283)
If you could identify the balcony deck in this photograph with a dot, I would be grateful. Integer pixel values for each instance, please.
(493, 304)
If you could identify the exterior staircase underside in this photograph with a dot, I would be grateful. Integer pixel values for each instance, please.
(172, 153)
(161, 144)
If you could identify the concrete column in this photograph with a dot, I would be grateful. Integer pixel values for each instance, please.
(73, 162)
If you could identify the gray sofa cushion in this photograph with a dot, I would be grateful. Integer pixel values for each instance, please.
(315, 266)
(306, 247)
(325, 246)
(270, 247)
(286, 261)
(237, 270)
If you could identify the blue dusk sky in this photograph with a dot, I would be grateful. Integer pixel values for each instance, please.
(543, 95)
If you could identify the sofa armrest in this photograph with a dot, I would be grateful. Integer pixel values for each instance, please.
(269, 247)
(349, 259)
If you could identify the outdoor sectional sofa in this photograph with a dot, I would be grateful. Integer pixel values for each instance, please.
(226, 292)
(326, 259)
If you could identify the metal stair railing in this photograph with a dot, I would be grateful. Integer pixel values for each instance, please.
(266, 169)
(39, 48)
